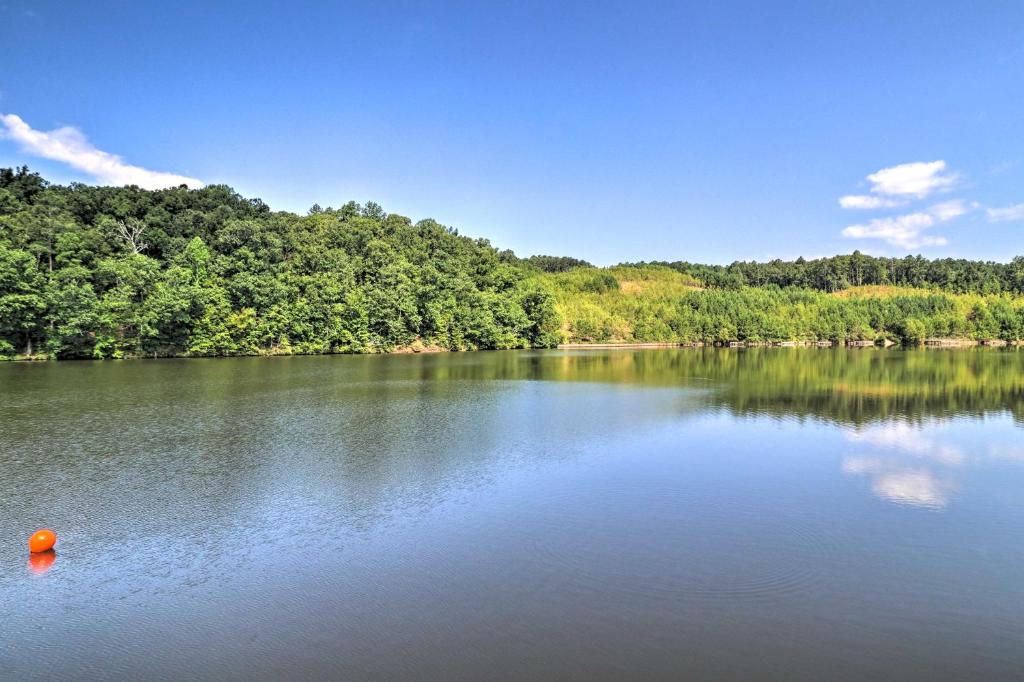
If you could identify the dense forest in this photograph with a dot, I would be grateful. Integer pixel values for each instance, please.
(107, 272)
(119, 272)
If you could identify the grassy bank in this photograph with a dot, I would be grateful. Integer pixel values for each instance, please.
(645, 304)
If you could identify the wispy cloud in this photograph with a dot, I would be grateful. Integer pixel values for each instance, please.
(1002, 215)
(1001, 168)
(864, 201)
(68, 145)
(918, 179)
(904, 231)
(948, 210)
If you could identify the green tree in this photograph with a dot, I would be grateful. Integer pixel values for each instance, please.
(22, 303)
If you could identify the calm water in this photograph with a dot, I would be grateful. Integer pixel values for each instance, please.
(759, 514)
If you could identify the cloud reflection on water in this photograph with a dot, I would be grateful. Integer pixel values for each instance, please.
(910, 440)
(917, 487)
(918, 465)
(911, 467)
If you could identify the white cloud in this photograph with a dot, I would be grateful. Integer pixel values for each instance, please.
(69, 146)
(948, 210)
(917, 179)
(907, 231)
(862, 201)
(999, 215)
(904, 231)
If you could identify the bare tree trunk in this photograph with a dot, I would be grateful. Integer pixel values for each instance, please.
(132, 235)
(28, 344)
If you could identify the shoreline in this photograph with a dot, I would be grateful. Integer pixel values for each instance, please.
(937, 343)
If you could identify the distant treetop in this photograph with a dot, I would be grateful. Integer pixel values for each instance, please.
(556, 263)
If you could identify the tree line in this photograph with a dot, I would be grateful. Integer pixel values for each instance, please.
(957, 275)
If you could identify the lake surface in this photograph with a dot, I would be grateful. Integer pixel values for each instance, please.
(776, 514)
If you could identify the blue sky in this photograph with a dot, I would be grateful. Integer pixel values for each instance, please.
(608, 131)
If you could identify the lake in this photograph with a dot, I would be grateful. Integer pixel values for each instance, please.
(775, 514)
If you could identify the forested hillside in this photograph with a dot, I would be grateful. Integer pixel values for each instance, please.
(105, 272)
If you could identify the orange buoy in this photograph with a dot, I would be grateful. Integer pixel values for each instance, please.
(42, 541)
